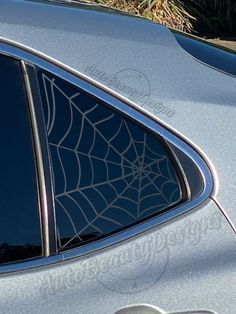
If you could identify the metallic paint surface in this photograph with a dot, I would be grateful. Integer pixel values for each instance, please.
(200, 198)
(198, 273)
(203, 98)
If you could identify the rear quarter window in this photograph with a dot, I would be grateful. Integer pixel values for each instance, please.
(109, 172)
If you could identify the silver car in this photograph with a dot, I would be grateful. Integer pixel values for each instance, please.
(117, 183)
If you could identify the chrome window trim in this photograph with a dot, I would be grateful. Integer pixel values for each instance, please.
(43, 173)
(129, 109)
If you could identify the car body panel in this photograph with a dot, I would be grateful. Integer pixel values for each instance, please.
(197, 99)
(195, 274)
(194, 268)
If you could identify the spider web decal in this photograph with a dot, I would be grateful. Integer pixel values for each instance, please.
(109, 172)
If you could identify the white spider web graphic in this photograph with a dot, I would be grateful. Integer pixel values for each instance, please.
(108, 172)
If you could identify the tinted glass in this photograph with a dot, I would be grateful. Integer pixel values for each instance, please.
(219, 58)
(20, 234)
(109, 172)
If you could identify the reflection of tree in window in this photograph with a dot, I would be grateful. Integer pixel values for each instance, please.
(109, 173)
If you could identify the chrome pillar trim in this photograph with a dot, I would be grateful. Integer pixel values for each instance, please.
(39, 162)
(139, 115)
(47, 223)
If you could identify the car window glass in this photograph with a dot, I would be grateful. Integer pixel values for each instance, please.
(109, 172)
(20, 231)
